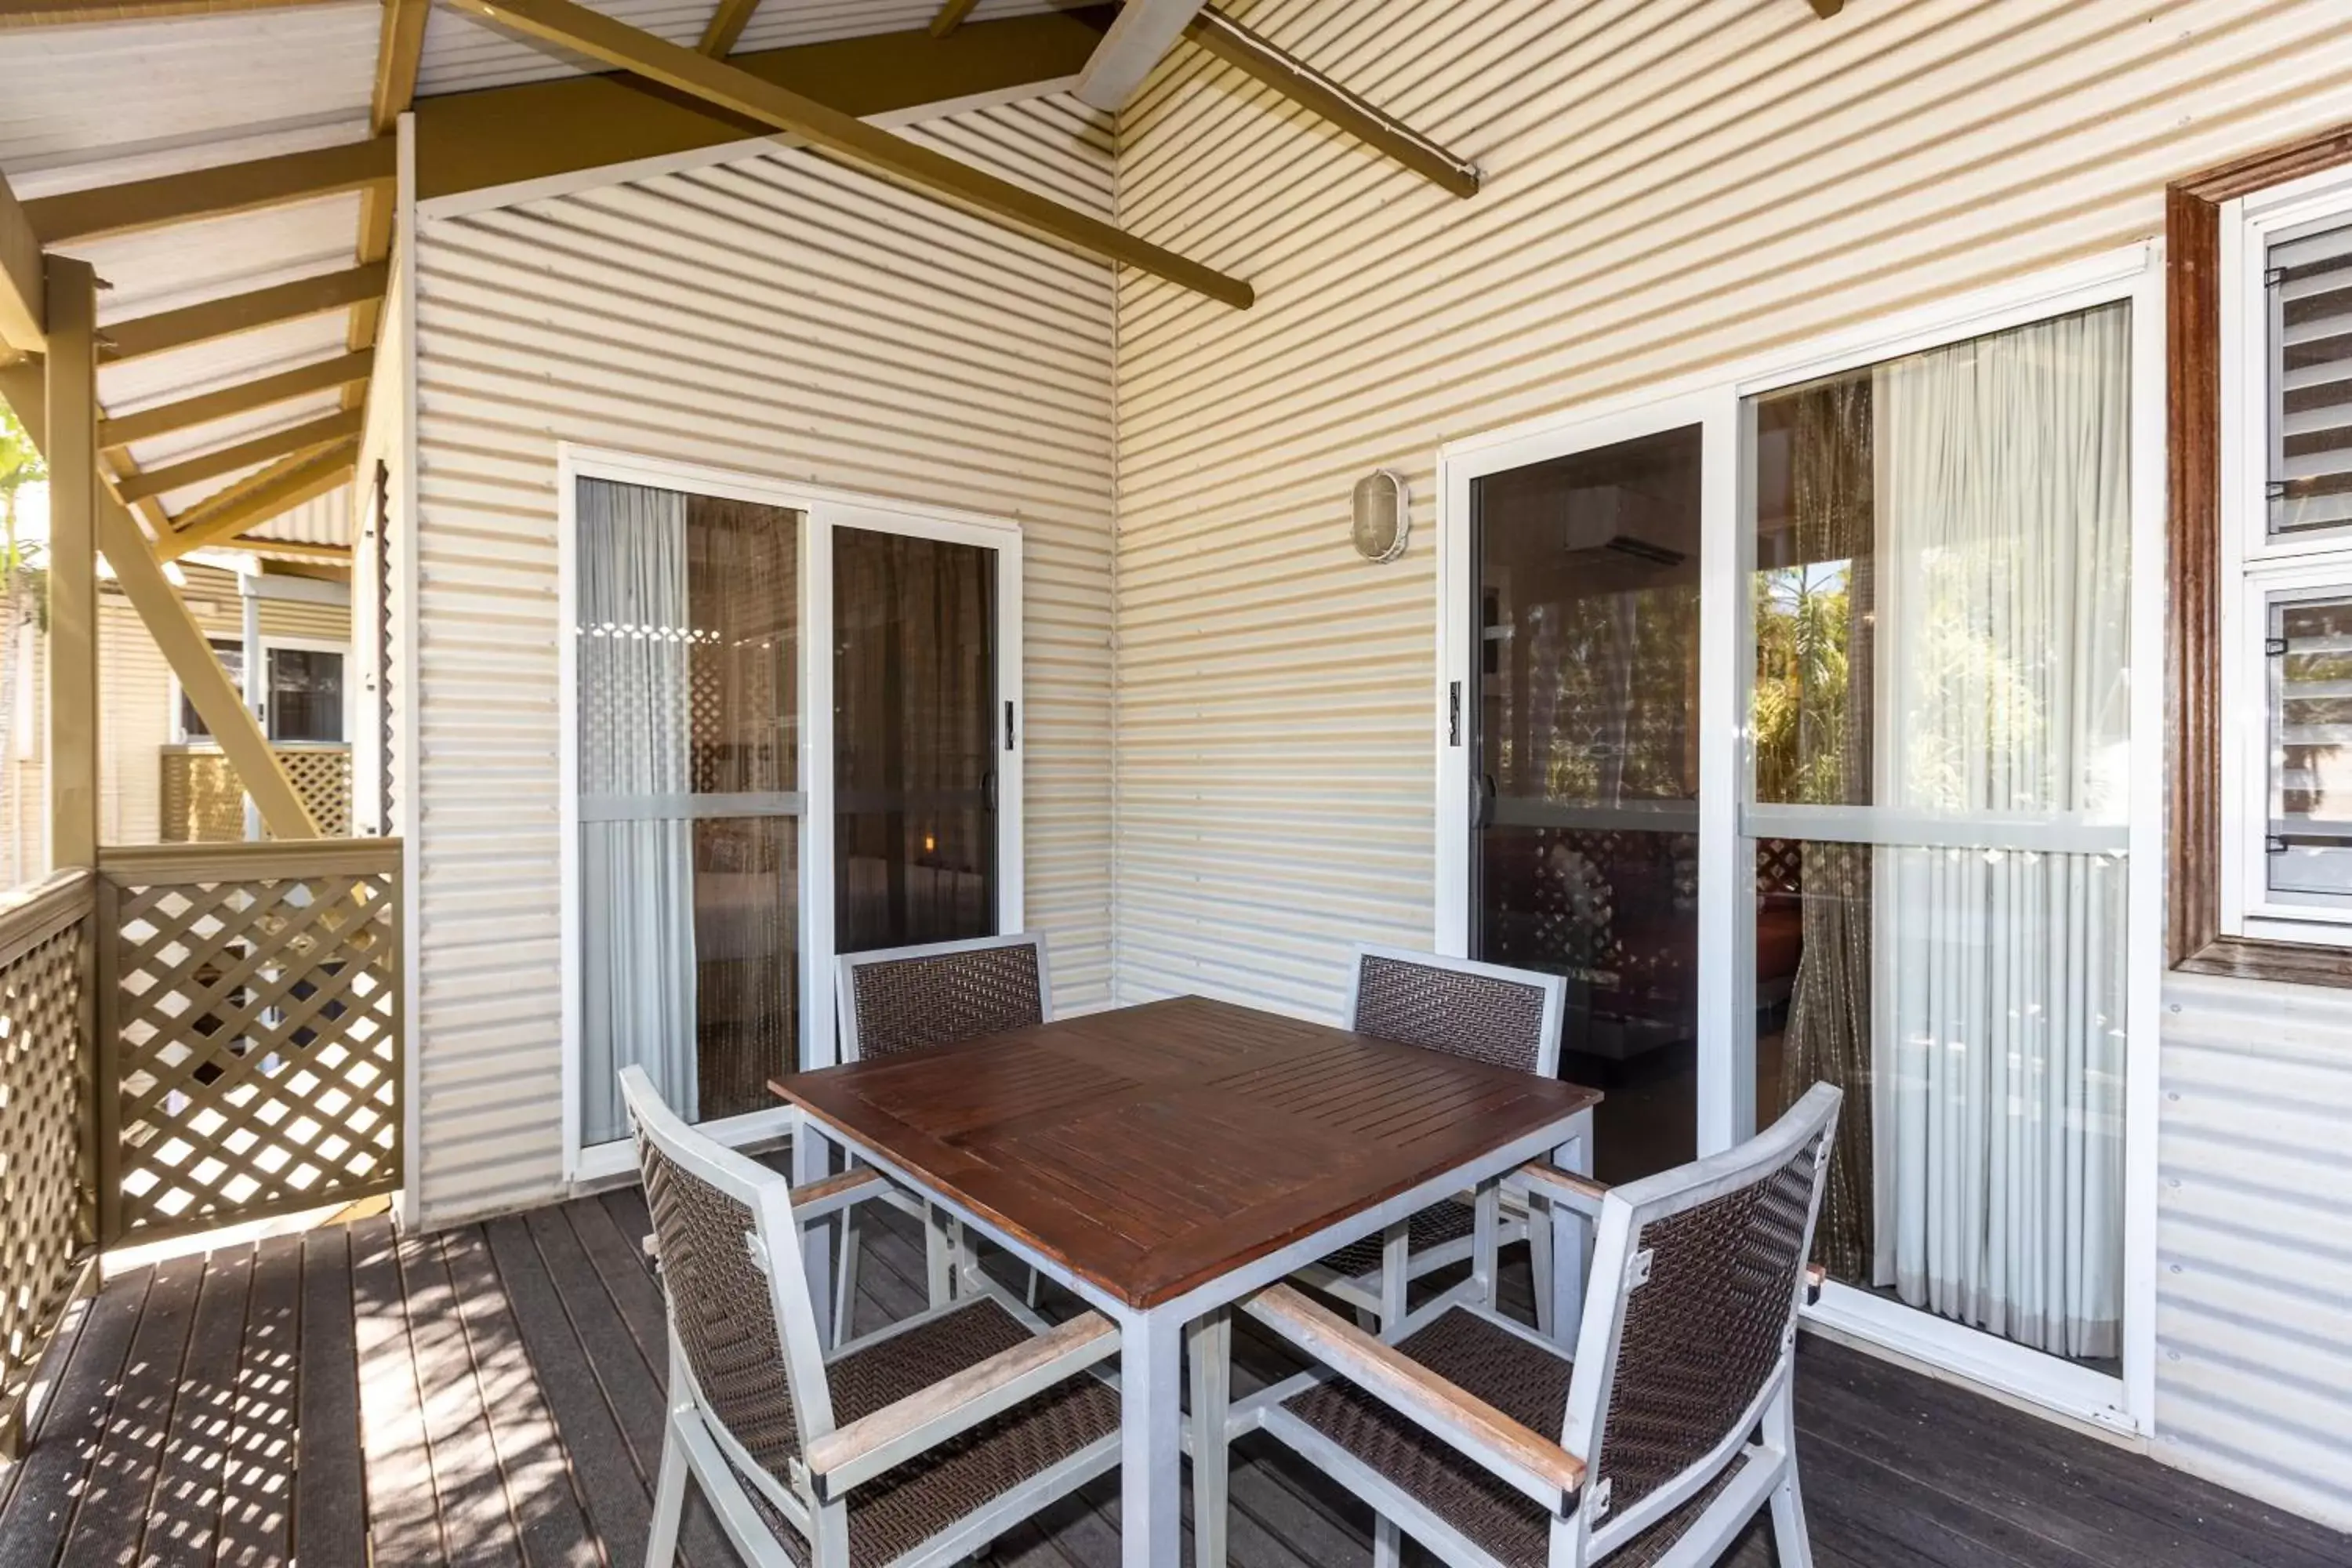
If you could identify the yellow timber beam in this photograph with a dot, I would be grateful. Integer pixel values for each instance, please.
(399, 50)
(24, 314)
(70, 416)
(216, 192)
(174, 631)
(249, 504)
(243, 398)
(726, 25)
(950, 16)
(1825, 9)
(846, 137)
(1235, 45)
(295, 440)
(169, 330)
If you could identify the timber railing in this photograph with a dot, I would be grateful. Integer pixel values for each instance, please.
(192, 1036)
(203, 800)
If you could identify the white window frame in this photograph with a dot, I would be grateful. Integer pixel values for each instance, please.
(822, 511)
(180, 736)
(1728, 818)
(2255, 568)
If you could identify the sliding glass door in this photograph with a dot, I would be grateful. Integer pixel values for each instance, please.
(792, 722)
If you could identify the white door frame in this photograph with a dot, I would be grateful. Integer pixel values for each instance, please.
(2135, 273)
(822, 511)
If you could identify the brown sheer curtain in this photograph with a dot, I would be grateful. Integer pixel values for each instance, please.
(1828, 1038)
(743, 605)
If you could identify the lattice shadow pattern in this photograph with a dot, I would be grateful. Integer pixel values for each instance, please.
(254, 1022)
(45, 946)
(203, 799)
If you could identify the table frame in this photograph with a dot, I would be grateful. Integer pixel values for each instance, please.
(1152, 1339)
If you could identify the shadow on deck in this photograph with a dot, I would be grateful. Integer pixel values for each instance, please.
(492, 1395)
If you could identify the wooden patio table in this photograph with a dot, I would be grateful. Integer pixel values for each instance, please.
(1165, 1161)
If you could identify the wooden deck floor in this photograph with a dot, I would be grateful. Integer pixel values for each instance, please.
(491, 1395)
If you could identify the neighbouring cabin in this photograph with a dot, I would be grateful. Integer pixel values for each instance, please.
(1825, 533)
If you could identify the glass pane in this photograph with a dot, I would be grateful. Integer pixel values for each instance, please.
(1970, 1003)
(1587, 853)
(2311, 748)
(306, 695)
(915, 728)
(2310, 295)
(690, 836)
(232, 659)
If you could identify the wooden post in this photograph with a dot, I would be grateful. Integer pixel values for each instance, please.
(70, 412)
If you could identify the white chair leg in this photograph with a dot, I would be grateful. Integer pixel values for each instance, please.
(1539, 1264)
(844, 1301)
(1031, 1294)
(1396, 1273)
(939, 1259)
(669, 1500)
(1388, 1546)
(1792, 1545)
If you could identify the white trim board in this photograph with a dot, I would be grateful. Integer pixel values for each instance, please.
(1716, 400)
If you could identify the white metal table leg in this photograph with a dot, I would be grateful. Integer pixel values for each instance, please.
(1211, 1342)
(812, 1160)
(1152, 1440)
(1570, 1234)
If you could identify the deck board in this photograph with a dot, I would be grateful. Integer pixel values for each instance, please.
(493, 1394)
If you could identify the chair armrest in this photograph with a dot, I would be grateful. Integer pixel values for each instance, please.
(831, 1195)
(1516, 1454)
(1566, 1188)
(850, 1456)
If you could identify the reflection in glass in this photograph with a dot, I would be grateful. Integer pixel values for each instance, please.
(2309, 283)
(686, 627)
(1587, 853)
(2310, 839)
(914, 739)
(1940, 619)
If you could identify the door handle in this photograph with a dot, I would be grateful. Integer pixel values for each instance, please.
(988, 789)
(1482, 800)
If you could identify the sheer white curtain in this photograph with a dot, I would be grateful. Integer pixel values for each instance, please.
(637, 849)
(2003, 515)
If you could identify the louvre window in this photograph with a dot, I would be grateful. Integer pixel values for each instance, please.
(2309, 651)
(2309, 282)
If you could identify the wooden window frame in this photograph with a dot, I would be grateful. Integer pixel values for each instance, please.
(2194, 940)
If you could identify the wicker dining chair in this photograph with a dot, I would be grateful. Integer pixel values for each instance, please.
(917, 1445)
(1506, 1017)
(897, 999)
(1675, 1418)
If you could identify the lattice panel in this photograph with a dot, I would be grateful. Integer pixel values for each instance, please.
(255, 1016)
(44, 1060)
(203, 800)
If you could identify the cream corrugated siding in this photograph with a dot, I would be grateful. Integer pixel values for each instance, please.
(2253, 1245)
(780, 316)
(1671, 185)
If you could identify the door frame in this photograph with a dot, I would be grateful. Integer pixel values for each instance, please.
(2126, 1405)
(821, 509)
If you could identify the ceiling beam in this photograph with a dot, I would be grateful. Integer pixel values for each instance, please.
(168, 330)
(293, 550)
(399, 50)
(472, 141)
(16, 14)
(1235, 45)
(726, 25)
(326, 375)
(216, 192)
(249, 504)
(340, 426)
(24, 307)
(1825, 9)
(1146, 30)
(846, 137)
(950, 16)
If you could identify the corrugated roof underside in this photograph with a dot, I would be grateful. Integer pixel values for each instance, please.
(780, 316)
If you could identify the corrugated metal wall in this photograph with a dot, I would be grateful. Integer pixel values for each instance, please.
(1672, 183)
(2253, 1349)
(782, 316)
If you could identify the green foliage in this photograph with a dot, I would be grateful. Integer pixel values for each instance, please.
(1803, 620)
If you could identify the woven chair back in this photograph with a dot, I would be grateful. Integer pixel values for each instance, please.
(1714, 1258)
(734, 1323)
(901, 998)
(1503, 1018)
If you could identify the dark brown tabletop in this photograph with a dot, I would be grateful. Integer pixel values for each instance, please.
(1153, 1148)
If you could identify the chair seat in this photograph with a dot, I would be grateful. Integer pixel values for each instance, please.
(1429, 1228)
(1527, 1382)
(901, 1509)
